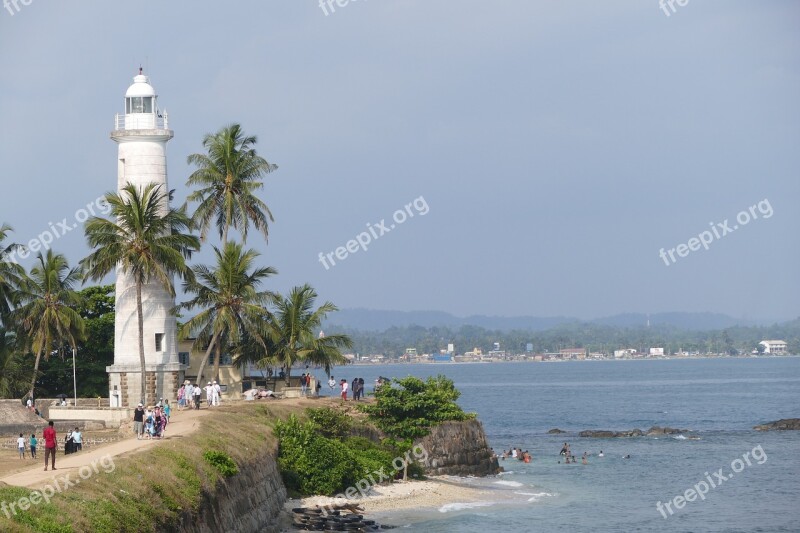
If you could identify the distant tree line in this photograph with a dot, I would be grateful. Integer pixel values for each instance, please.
(393, 342)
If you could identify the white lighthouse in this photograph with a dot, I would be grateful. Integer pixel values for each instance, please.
(141, 134)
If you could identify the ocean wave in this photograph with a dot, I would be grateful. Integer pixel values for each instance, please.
(461, 506)
(509, 483)
(535, 496)
(679, 437)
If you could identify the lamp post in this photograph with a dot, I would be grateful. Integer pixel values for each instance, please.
(74, 379)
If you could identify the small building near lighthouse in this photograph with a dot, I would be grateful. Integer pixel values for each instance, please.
(141, 134)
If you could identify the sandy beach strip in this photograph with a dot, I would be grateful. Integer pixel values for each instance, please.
(430, 493)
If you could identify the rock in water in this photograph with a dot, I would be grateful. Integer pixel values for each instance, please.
(783, 424)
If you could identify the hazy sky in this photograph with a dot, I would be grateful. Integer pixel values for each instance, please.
(555, 147)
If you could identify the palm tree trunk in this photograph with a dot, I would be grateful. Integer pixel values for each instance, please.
(35, 372)
(140, 317)
(205, 358)
(216, 362)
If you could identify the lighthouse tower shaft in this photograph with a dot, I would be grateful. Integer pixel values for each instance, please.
(142, 133)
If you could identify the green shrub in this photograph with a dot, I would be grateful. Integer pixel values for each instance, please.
(222, 462)
(311, 463)
(409, 411)
(331, 423)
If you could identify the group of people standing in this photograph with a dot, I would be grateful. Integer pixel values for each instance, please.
(191, 395)
(357, 388)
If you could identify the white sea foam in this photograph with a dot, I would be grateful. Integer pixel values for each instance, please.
(461, 506)
(679, 437)
(509, 483)
(534, 496)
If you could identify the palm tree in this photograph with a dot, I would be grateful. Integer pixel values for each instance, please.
(147, 242)
(228, 175)
(10, 273)
(234, 308)
(13, 376)
(47, 315)
(293, 334)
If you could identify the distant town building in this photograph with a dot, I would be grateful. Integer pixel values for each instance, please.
(572, 353)
(656, 351)
(774, 347)
(628, 352)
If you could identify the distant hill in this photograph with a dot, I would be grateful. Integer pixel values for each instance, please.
(378, 320)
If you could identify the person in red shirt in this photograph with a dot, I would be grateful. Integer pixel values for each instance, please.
(50, 445)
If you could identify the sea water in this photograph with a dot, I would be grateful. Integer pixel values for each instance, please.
(720, 400)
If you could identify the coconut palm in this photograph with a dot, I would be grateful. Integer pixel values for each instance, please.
(46, 316)
(294, 334)
(228, 176)
(233, 307)
(13, 376)
(147, 240)
(10, 272)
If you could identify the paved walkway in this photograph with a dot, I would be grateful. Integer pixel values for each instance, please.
(182, 423)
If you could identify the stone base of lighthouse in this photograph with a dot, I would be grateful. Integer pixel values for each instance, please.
(161, 381)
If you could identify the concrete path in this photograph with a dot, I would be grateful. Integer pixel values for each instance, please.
(182, 424)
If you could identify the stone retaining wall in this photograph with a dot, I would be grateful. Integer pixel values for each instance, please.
(252, 500)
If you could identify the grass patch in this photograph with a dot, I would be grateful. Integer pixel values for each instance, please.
(150, 490)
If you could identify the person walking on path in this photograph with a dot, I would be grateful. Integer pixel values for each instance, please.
(77, 438)
(33, 443)
(216, 393)
(343, 383)
(21, 446)
(197, 392)
(138, 421)
(50, 441)
(188, 395)
(209, 394)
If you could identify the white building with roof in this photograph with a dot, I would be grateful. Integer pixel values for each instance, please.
(774, 347)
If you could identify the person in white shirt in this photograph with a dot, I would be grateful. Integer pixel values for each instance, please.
(344, 386)
(216, 392)
(21, 446)
(196, 392)
(209, 393)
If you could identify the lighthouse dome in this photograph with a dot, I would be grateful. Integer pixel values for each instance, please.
(141, 87)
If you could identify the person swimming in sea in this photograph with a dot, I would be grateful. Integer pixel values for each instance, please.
(600, 454)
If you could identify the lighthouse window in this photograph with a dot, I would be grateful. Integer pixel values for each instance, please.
(138, 104)
(159, 342)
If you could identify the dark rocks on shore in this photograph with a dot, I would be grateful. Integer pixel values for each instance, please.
(784, 424)
(555, 431)
(653, 431)
(658, 430)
